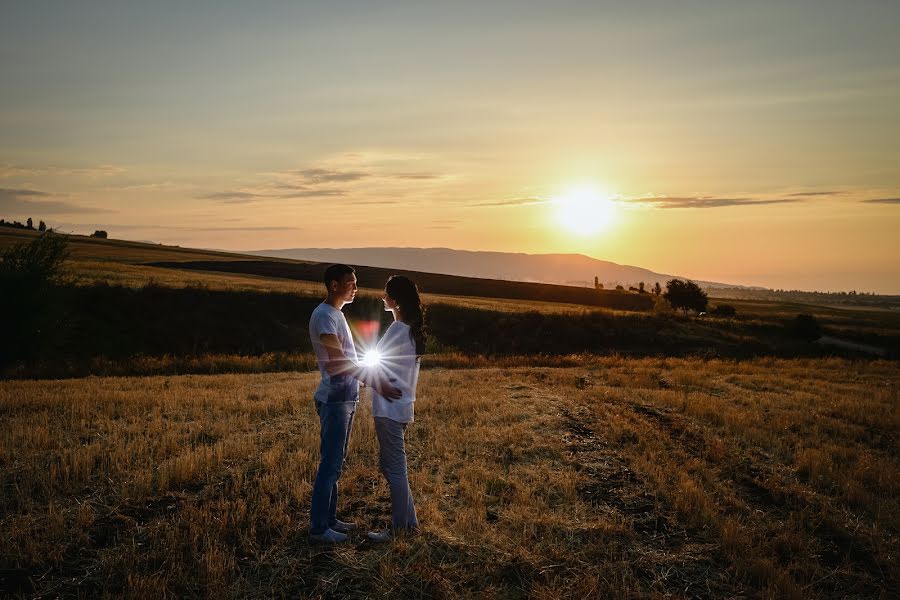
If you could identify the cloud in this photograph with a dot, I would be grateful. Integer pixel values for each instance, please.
(358, 202)
(311, 194)
(310, 183)
(244, 197)
(705, 201)
(8, 171)
(319, 176)
(805, 194)
(235, 228)
(232, 197)
(20, 200)
(415, 176)
(882, 201)
(513, 202)
(152, 227)
(149, 186)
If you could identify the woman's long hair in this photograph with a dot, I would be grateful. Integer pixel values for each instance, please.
(404, 291)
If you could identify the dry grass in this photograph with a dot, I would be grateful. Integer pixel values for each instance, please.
(136, 276)
(617, 478)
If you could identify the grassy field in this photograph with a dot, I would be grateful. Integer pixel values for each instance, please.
(615, 478)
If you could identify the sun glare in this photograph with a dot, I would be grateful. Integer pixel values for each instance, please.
(584, 210)
(372, 358)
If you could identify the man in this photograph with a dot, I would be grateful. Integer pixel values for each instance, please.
(336, 399)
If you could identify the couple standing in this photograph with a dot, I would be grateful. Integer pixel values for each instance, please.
(393, 382)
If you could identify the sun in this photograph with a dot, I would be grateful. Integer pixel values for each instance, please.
(584, 210)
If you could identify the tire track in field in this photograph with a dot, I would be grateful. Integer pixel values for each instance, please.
(664, 555)
(749, 479)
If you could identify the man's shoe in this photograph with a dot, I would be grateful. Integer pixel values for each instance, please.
(380, 536)
(329, 536)
(343, 526)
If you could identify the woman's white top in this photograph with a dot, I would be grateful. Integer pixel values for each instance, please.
(399, 365)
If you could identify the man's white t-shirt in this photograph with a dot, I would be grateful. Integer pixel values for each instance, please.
(400, 366)
(326, 319)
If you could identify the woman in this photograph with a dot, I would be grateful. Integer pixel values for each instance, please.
(399, 351)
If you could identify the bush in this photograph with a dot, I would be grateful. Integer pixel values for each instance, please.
(37, 264)
(806, 327)
(724, 310)
(29, 273)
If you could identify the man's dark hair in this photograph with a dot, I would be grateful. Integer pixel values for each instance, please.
(336, 272)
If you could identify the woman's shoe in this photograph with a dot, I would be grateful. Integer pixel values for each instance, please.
(343, 526)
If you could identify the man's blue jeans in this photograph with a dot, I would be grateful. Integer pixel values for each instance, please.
(335, 420)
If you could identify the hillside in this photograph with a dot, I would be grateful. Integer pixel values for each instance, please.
(566, 269)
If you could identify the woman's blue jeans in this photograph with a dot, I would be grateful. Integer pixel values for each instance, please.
(392, 463)
(335, 420)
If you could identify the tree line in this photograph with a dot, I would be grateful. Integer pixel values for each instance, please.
(42, 227)
(680, 295)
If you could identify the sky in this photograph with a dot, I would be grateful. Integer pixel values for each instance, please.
(753, 143)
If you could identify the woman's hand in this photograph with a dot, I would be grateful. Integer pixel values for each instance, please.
(389, 392)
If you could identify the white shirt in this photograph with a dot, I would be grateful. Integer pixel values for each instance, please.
(399, 365)
(326, 319)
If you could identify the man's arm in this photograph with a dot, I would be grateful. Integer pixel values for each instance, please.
(339, 364)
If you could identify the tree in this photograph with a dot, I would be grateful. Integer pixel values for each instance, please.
(641, 288)
(685, 295)
(620, 288)
(597, 285)
(29, 224)
(99, 234)
(42, 226)
(657, 289)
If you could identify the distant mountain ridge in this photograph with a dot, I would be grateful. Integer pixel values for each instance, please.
(566, 269)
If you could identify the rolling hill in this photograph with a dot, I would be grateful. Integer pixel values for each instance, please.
(565, 269)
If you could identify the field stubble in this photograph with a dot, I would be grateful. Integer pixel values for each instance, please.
(617, 478)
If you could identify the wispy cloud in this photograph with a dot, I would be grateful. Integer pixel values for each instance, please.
(312, 193)
(324, 180)
(40, 203)
(244, 197)
(706, 201)
(9, 171)
(232, 197)
(415, 176)
(319, 176)
(150, 186)
(156, 227)
(882, 201)
(236, 228)
(512, 202)
(808, 194)
(370, 202)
